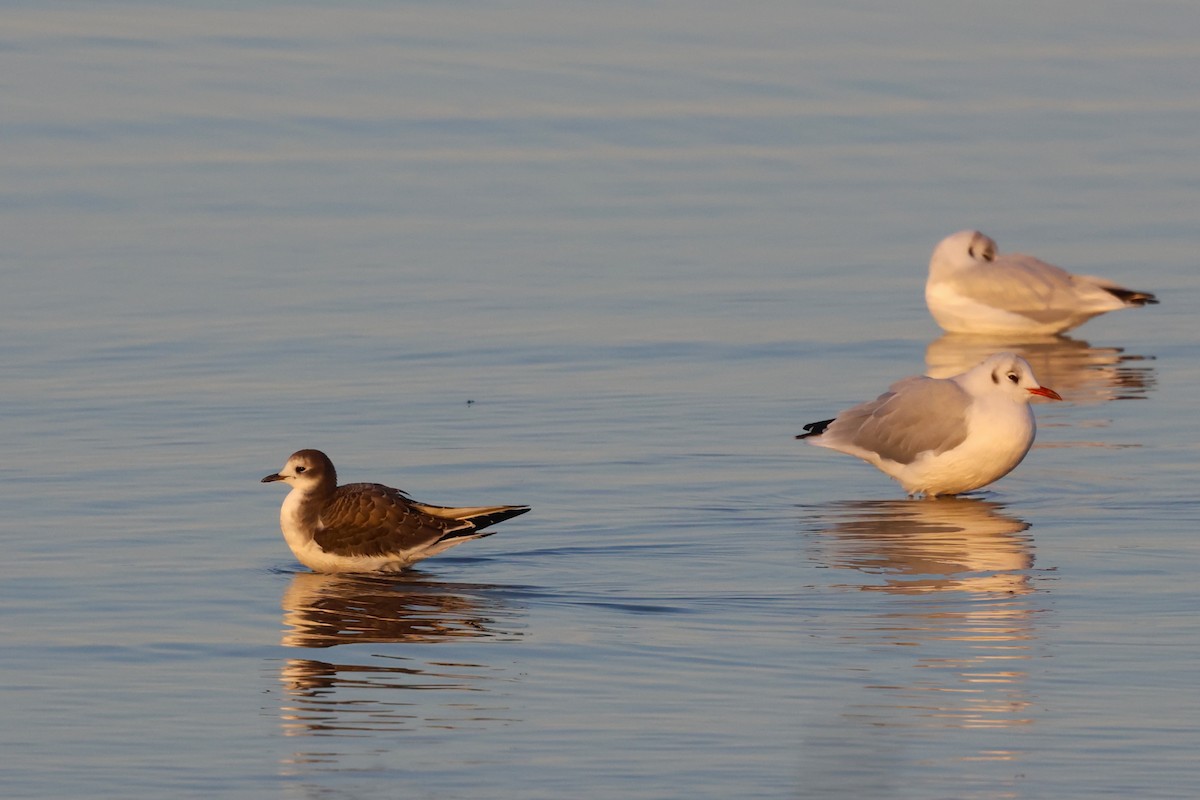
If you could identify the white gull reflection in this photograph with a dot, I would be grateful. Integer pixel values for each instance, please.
(1082, 374)
(954, 611)
(948, 544)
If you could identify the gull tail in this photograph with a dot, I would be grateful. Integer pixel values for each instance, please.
(479, 516)
(815, 428)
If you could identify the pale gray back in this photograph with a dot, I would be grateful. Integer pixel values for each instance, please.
(915, 415)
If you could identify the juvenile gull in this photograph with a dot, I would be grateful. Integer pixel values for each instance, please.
(974, 289)
(942, 435)
(368, 527)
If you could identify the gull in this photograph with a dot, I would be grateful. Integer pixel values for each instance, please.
(939, 436)
(368, 527)
(974, 289)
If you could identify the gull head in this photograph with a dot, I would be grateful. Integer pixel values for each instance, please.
(1007, 374)
(306, 470)
(962, 250)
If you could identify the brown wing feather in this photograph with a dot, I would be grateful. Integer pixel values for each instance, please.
(368, 519)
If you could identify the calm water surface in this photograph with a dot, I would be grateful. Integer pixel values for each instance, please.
(605, 261)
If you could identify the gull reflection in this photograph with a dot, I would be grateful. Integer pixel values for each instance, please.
(958, 574)
(325, 610)
(1081, 373)
(951, 543)
(363, 693)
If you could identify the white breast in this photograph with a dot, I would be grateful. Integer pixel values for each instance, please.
(297, 535)
(299, 538)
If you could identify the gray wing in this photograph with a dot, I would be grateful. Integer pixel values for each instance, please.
(369, 519)
(1030, 287)
(1015, 281)
(915, 415)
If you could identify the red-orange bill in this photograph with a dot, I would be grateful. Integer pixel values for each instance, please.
(1042, 391)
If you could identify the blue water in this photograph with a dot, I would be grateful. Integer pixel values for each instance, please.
(606, 261)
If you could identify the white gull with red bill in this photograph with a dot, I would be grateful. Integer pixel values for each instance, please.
(940, 436)
(974, 288)
(368, 527)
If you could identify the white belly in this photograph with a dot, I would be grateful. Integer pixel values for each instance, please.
(299, 538)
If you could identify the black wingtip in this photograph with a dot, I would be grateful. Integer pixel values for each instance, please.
(1131, 297)
(815, 428)
(499, 515)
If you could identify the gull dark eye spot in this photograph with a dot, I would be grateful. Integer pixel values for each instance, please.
(981, 249)
(996, 378)
(1014, 377)
(300, 469)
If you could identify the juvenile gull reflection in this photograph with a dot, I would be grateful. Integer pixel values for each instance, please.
(958, 618)
(362, 693)
(1082, 374)
(327, 698)
(322, 610)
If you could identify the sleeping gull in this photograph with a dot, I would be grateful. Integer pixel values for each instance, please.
(974, 289)
(942, 435)
(367, 527)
